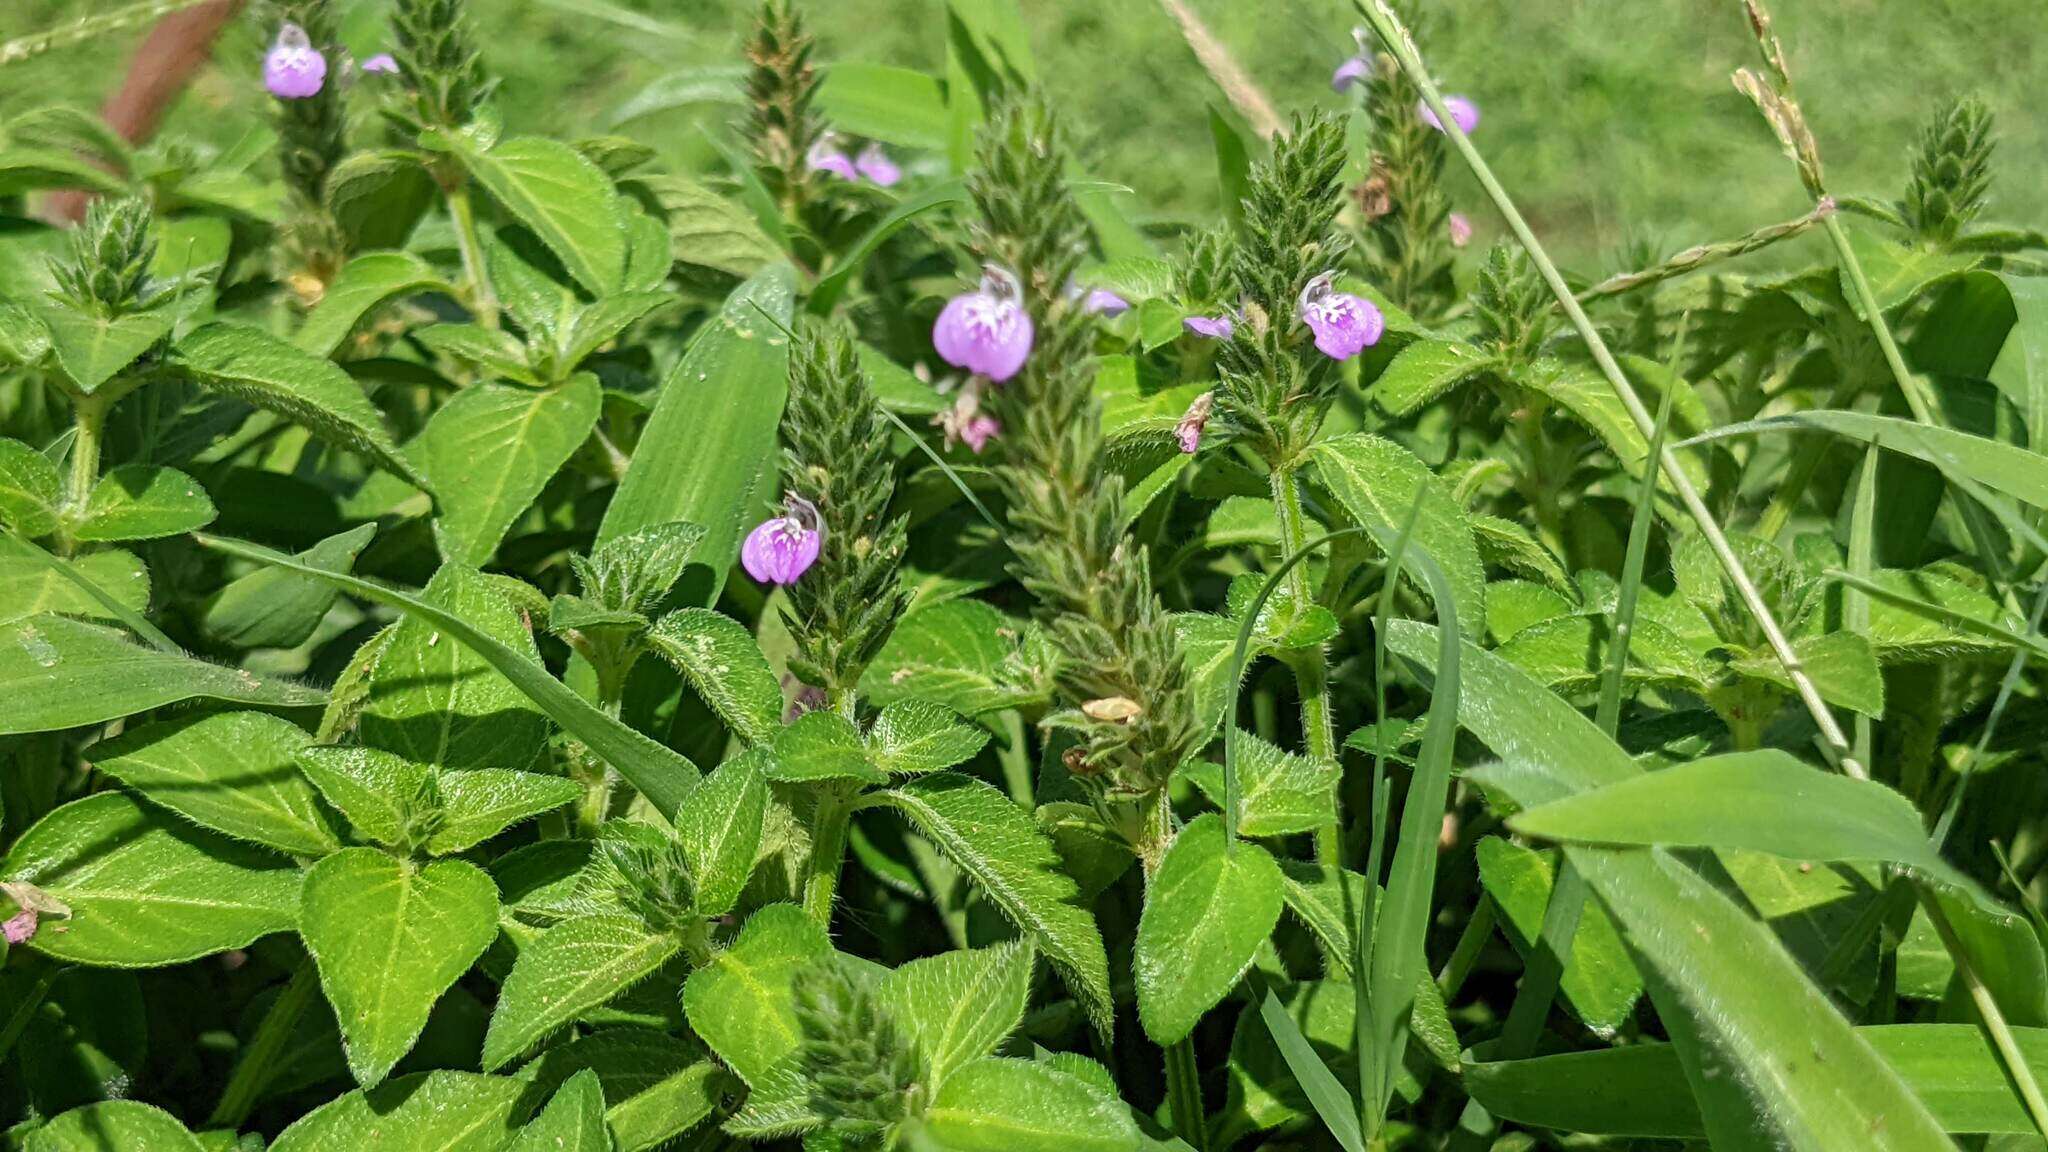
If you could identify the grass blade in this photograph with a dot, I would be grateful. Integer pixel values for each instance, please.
(1332, 1104)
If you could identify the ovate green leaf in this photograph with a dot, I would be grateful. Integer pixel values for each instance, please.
(1210, 906)
(233, 772)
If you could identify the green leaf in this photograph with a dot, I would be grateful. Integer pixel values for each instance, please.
(1763, 801)
(24, 169)
(912, 736)
(661, 774)
(493, 352)
(1208, 644)
(233, 772)
(1583, 392)
(563, 198)
(1278, 792)
(1842, 665)
(707, 230)
(1750, 999)
(957, 1006)
(1600, 981)
(1209, 907)
(573, 1120)
(479, 803)
(1640, 1090)
(379, 793)
(378, 198)
(366, 284)
(490, 451)
(31, 584)
(659, 1086)
(57, 673)
(1003, 850)
(707, 454)
(145, 888)
(389, 937)
(742, 1003)
(966, 655)
(94, 349)
(429, 1112)
(2021, 370)
(1264, 1091)
(269, 608)
(603, 322)
(822, 746)
(579, 964)
(141, 502)
(719, 828)
(439, 702)
(30, 490)
(1377, 481)
(896, 105)
(257, 368)
(113, 1126)
(1425, 370)
(726, 668)
(1000, 1105)
(1898, 271)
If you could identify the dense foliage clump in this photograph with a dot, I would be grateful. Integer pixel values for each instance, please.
(507, 646)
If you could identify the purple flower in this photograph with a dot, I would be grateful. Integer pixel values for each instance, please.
(1464, 113)
(1214, 327)
(1356, 70)
(1189, 430)
(20, 927)
(825, 156)
(875, 164)
(784, 547)
(1103, 302)
(1460, 228)
(978, 431)
(986, 331)
(294, 69)
(1344, 324)
(382, 63)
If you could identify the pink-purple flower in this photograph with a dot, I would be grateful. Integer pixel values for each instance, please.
(986, 331)
(979, 429)
(1464, 113)
(826, 156)
(1460, 229)
(784, 547)
(294, 69)
(1103, 302)
(876, 165)
(382, 64)
(1189, 430)
(1344, 325)
(1214, 327)
(20, 928)
(1357, 69)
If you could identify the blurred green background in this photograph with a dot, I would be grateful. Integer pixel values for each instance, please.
(1611, 120)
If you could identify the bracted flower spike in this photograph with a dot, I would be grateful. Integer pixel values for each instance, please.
(1344, 325)
(784, 547)
(294, 69)
(986, 331)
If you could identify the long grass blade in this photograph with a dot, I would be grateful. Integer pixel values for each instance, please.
(1391, 32)
(133, 620)
(1325, 1094)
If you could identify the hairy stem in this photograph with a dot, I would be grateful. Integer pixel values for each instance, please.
(828, 852)
(1389, 29)
(482, 302)
(89, 417)
(1311, 669)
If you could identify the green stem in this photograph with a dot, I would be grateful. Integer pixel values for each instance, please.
(596, 803)
(482, 302)
(828, 852)
(259, 1062)
(1471, 943)
(1015, 757)
(1184, 1094)
(25, 1010)
(1390, 31)
(2001, 1035)
(1311, 669)
(89, 416)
